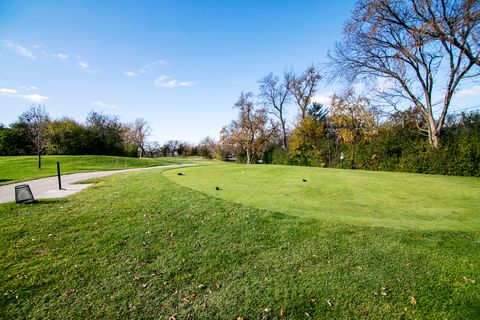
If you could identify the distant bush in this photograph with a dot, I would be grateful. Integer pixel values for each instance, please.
(276, 155)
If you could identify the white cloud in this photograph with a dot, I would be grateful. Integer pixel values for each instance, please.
(324, 98)
(103, 105)
(33, 98)
(15, 47)
(385, 84)
(468, 92)
(158, 62)
(83, 64)
(146, 68)
(165, 82)
(7, 91)
(130, 74)
(358, 87)
(61, 56)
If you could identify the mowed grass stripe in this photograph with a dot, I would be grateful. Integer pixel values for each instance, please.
(139, 246)
(395, 200)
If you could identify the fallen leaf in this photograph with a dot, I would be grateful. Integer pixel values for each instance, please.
(69, 292)
(281, 314)
(413, 300)
(145, 262)
(384, 291)
(468, 279)
(201, 286)
(314, 301)
(330, 303)
(144, 285)
(239, 318)
(173, 317)
(267, 310)
(218, 285)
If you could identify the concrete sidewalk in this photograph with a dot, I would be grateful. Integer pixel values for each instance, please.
(48, 187)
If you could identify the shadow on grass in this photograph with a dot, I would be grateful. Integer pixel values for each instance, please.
(282, 216)
(42, 202)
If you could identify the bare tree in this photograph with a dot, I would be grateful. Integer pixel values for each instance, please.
(153, 148)
(455, 23)
(170, 147)
(138, 133)
(275, 94)
(304, 86)
(390, 39)
(252, 131)
(37, 119)
(207, 147)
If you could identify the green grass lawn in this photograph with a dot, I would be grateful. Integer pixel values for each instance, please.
(13, 169)
(394, 200)
(137, 245)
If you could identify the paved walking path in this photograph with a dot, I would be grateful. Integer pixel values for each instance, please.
(48, 187)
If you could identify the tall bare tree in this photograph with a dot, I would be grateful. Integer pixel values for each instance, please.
(395, 40)
(252, 131)
(37, 120)
(303, 88)
(275, 94)
(455, 23)
(138, 132)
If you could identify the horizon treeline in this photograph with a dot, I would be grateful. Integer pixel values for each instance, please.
(100, 134)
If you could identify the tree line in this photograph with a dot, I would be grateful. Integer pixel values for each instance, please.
(411, 57)
(35, 133)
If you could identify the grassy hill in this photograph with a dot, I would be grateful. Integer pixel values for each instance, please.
(13, 169)
(394, 200)
(137, 245)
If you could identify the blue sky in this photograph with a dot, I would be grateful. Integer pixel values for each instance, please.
(179, 64)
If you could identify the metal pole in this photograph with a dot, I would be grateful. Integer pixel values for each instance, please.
(58, 174)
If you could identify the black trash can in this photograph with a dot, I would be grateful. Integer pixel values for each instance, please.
(23, 194)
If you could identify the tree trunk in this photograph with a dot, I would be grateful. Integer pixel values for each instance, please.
(433, 133)
(284, 137)
(434, 139)
(352, 160)
(249, 156)
(39, 160)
